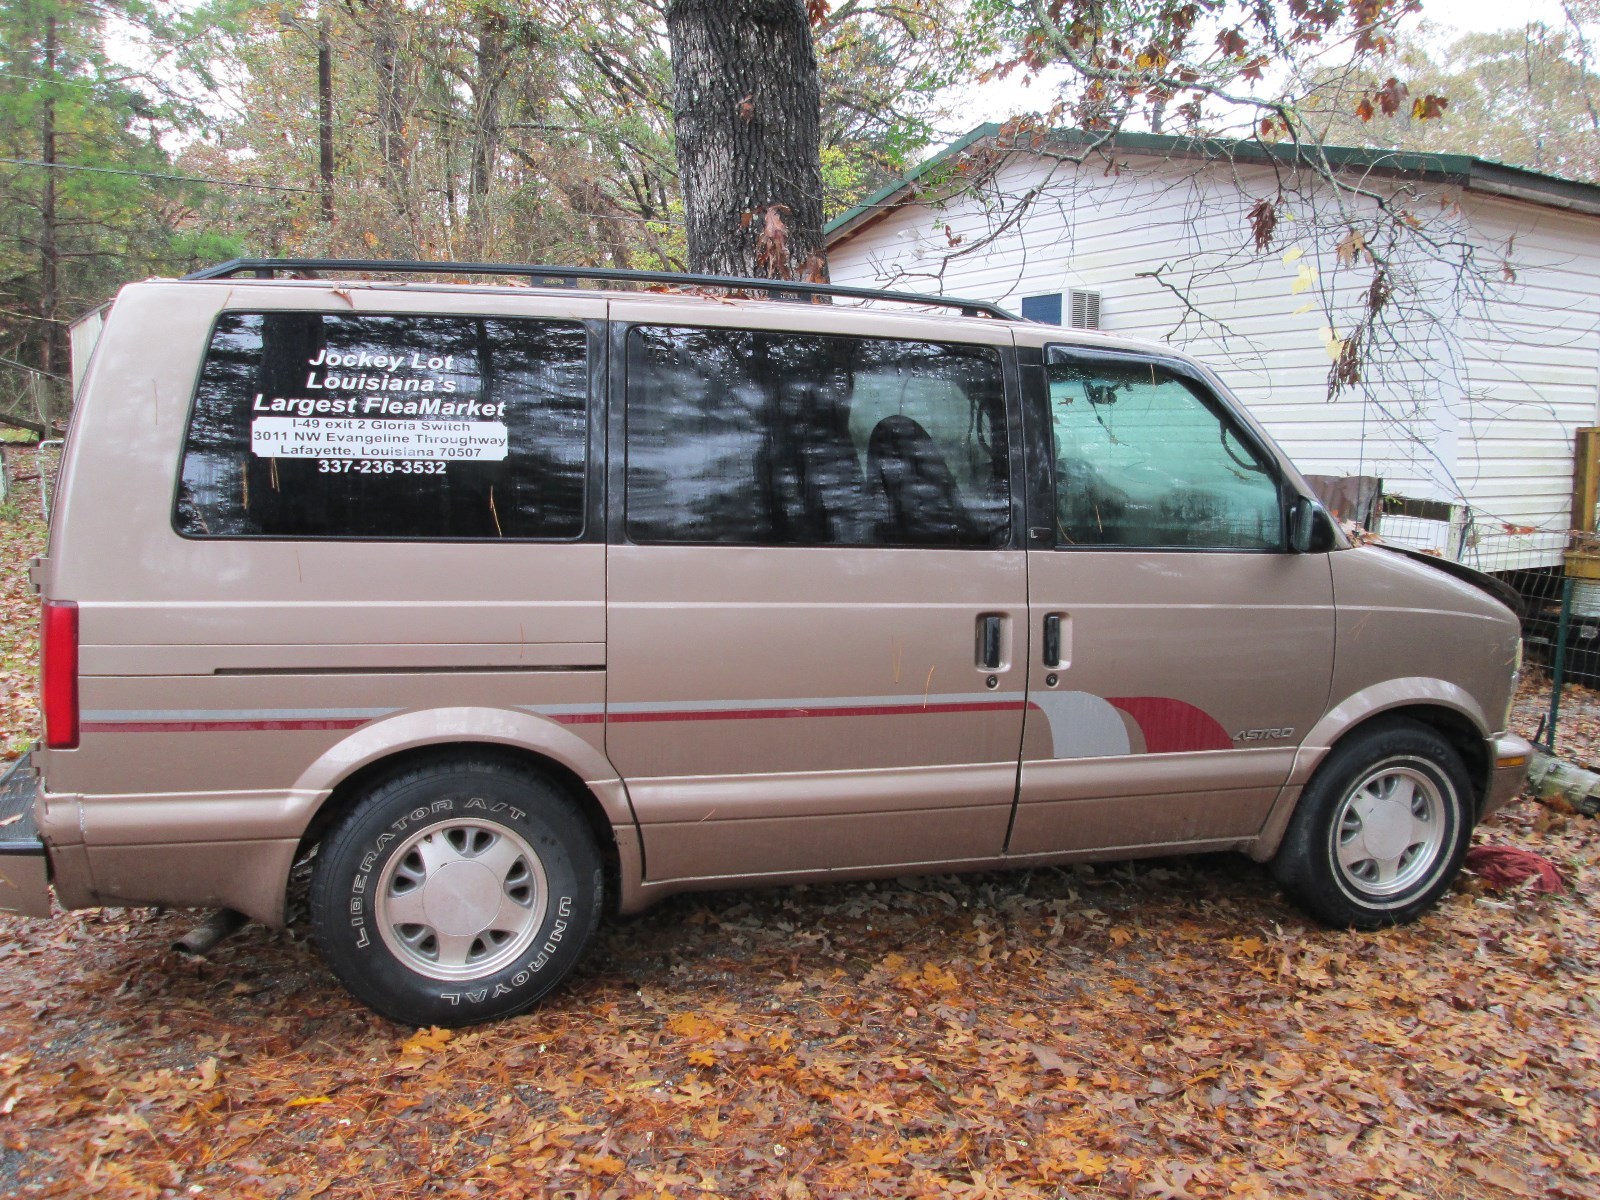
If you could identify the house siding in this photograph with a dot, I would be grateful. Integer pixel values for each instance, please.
(1531, 363)
(1480, 408)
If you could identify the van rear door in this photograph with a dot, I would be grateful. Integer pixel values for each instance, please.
(333, 513)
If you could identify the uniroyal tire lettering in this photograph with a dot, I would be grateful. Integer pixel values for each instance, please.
(526, 974)
(552, 944)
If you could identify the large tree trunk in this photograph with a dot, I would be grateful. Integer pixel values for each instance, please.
(747, 107)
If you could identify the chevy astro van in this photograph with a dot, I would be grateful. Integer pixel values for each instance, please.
(511, 605)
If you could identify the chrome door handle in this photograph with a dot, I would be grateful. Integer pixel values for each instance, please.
(1052, 640)
(989, 642)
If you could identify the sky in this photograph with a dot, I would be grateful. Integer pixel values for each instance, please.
(996, 101)
(1486, 16)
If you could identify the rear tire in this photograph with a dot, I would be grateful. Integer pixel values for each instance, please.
(1380, 830)
(455, 893)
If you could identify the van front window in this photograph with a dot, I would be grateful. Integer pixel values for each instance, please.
(1143, 459)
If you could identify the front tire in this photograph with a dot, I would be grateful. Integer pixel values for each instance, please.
(1380, 830)
(455, 893)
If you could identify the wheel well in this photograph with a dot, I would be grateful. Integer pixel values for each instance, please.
(347, 794)
(1456, 729)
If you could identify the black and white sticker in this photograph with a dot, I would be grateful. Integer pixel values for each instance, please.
(357, 437)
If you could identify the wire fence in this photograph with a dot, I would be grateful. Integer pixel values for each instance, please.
(34, 396)
(34, 465)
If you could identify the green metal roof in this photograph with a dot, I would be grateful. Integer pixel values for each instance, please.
(1474, 174)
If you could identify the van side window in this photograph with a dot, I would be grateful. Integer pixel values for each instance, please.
(1144, 458)
(340, 425)
(759, 438)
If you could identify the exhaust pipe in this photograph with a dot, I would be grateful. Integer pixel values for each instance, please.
(210, 931)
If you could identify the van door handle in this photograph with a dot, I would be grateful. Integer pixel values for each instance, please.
(989, 642)
(1052, 640)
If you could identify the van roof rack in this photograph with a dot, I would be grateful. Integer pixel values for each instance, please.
(266, 268)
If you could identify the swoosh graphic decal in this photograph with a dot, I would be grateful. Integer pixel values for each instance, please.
(1171, 726)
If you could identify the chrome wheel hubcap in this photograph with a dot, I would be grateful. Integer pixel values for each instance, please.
(461, 900)
(1390, 831)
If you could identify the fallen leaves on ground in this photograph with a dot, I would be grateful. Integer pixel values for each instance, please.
(21, 537)
(1170, 1029)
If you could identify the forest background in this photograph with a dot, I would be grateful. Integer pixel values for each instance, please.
(142, 137)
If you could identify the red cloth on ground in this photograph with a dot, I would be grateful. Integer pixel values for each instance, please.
(1506, 866)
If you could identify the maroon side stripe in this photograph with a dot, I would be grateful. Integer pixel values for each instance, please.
(213, 726)
(772, 714)
(595, 718)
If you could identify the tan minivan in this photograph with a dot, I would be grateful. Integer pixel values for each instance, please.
(507, 605)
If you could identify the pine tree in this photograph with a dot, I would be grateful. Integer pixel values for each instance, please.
(79, 213)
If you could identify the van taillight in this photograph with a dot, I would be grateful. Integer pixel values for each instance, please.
(58, 669)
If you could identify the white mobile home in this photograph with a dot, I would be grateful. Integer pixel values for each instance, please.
(1469, 288)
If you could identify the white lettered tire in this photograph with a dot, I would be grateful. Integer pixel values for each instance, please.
(1380, 830)
(457, 892)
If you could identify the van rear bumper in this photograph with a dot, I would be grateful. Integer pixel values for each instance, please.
(24, 868)
(1509, 757)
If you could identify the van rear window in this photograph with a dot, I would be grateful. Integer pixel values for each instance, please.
(339, 425)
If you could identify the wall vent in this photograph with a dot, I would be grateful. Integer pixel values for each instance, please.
(1083, 309)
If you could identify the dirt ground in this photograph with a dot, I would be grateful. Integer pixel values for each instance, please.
(1163, 1029)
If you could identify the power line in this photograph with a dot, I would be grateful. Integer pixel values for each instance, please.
(265, 187)
(9, 312)
(77, 83)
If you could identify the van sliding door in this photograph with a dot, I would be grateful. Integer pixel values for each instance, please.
(816, 594)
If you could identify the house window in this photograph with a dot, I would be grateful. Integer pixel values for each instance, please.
(1042, 308)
